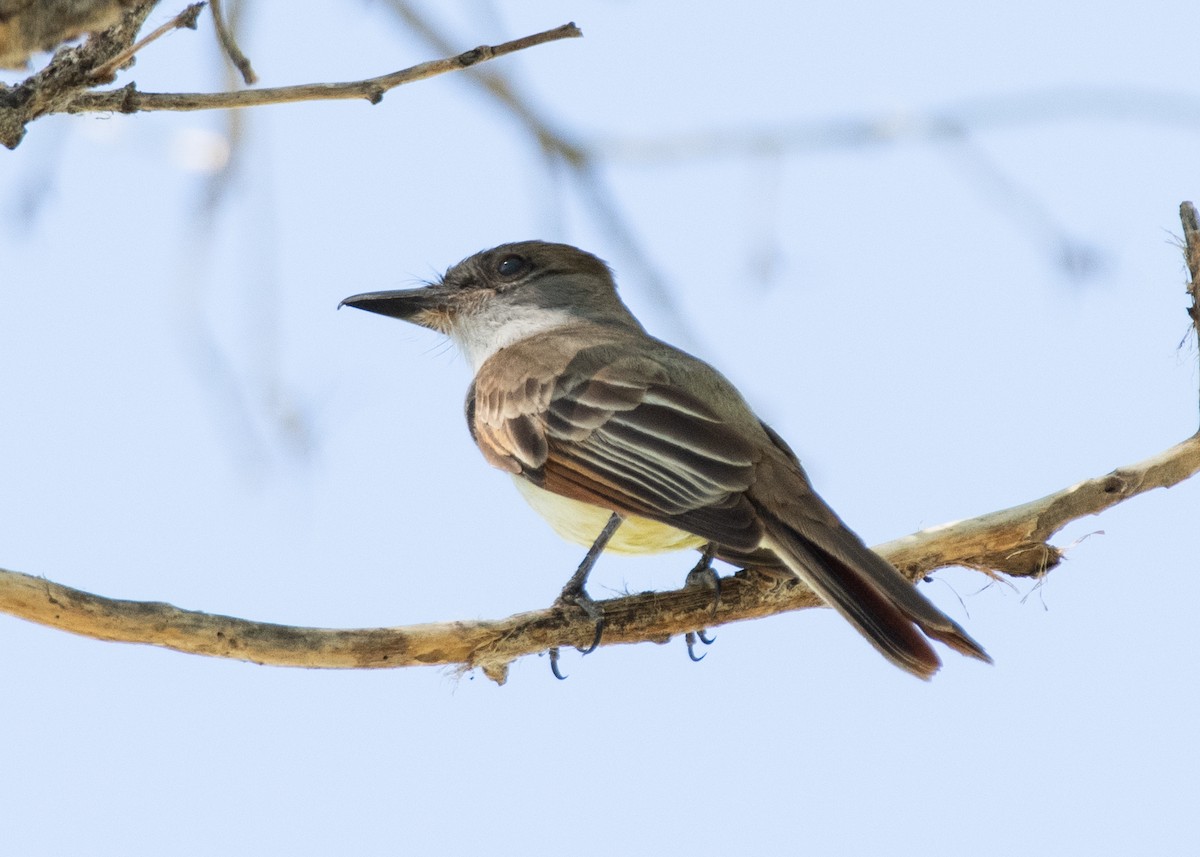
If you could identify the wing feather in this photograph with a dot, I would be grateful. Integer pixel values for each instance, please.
(610, 429)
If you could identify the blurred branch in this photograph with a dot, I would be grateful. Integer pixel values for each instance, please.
(496, 86)
(251, 405)
(1078, 259)
(1012, 541)
(240, 61)
(951, 122)
(954, 126)
(579, 160)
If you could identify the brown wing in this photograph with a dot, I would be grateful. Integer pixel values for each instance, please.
(615, 430)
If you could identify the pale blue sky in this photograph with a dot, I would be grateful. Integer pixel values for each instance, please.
(187, 419)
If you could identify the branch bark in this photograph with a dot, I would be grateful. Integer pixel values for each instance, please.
(128, 99)
(1012, 541)
(67, 75)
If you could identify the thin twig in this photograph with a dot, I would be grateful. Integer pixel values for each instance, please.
(129, 100)
(1191, 247)
(1191, 255)
(240, 61)
(186, 18)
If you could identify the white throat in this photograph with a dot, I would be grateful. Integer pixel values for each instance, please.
(481, 335)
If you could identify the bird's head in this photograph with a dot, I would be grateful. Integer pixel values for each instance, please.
(507, 293)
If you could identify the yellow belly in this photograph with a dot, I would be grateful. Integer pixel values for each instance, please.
(582, 522)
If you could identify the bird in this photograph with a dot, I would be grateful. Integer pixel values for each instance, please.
(625, 443)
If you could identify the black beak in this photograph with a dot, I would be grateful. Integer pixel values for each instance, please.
(402, 304)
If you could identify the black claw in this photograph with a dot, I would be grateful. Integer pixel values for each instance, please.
(554, 664)
(595, 640)
(690, 638)
(704, 638)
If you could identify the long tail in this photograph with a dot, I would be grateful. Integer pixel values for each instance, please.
(867, 590)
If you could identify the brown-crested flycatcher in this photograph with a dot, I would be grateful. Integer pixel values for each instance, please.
(622, 441)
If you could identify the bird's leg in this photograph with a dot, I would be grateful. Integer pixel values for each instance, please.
(702, 572)
(575, 593)
(575, 586)
(704, 575)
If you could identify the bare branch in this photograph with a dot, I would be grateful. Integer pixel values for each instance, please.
(129, 100)
(1015, 541)
(1011, 541)
(62, 87)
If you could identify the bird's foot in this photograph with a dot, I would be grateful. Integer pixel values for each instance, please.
(576, 596)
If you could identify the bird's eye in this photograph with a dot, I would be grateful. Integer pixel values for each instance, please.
(512, 265)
